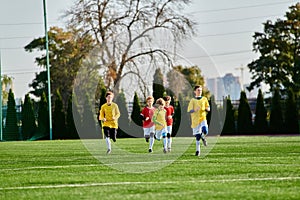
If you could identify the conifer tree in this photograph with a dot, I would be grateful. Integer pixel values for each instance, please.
(213, 117)
(136, 121)
(59, 118)
(11, 127)
(71, 131)
(183, 118)
(260, 121)
(229, 123)
(176, 118)
(291, 114)
(88, 120)
(123, 122)
(244, 121)
(28, 119)
(276, 116)
(43, 118)
(158, 85)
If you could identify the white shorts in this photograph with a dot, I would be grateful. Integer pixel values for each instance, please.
(160, 133)
(198, 128)
(169, 129)
(149, 130)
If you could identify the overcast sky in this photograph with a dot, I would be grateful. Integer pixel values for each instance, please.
(223, 43)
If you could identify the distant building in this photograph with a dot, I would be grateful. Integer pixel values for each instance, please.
(227, 85)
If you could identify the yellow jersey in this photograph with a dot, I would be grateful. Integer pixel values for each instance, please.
(198, 116)
(111, 113)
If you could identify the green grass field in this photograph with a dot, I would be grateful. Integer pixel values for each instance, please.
(235, 168)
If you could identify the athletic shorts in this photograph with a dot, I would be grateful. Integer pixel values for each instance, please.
(160, 133)
(169, 129)
(149, 130)
(198, 128)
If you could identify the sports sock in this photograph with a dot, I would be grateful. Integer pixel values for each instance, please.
(165, 143)
(107, 139)
(169, 143)
(151, 142)
(197, 145)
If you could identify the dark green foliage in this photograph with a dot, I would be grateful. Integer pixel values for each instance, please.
(101, 102)
(88, 120)
(71, 131)
(213, 117)
(158, 85)
(59, 118)
(123, 130)
(276, 116)
(176, 117)
(244, 121)
(43, 118)
(28, 119)
(136, 121)
(291, 114)
(229, 123)
(260, 121)
(183, 118)
(11, 131)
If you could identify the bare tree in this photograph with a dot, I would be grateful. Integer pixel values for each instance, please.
(125, 31)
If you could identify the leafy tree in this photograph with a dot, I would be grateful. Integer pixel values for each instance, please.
(158, 85)
(59, 118)
(6, 81)
(123, 129)
(122, 27)
(43, 118)
(291, 114)
(71, 131)
(276, 115)
(279, 63)
(67, 49)
(260, 121)
(28, 119)
(11, 127)
(88, 128)
(136, 121)
(244, 121)
(229, 123)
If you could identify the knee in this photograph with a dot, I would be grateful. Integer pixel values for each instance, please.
(151, 135)
(204, 129)
(198, 137)
(168, 135)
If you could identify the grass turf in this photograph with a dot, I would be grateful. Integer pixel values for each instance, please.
(235, 168)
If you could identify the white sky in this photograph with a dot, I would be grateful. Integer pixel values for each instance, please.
(224, 32)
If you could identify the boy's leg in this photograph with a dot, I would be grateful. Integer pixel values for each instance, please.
(198, 137)
(147, 134)
(151, 142)
(165, 141)
(107, 139)
(169, 131)
(113, 134)
(204, 132)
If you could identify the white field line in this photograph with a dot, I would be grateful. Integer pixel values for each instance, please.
(147, 183)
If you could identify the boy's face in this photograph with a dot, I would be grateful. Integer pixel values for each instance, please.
(109, 98)
(168, 103)
(198, 91)
(149, 102)
(161, 107)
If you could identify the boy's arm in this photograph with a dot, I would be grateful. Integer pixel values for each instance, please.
(117, 112)
(101, 114)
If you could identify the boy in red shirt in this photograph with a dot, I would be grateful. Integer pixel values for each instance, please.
(169, 118)
(148, 124)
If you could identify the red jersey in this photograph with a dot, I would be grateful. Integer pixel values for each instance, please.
(169, 112)
(148, 112)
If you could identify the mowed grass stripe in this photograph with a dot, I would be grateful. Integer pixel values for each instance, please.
(138, 183)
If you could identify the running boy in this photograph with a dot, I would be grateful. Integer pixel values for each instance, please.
(159, 119)
(198, 107)
(109, 115)
(169, 118)
(148, 125)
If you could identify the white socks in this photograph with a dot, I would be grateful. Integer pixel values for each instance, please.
(107, 139)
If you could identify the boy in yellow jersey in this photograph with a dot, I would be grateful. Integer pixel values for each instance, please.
(198, 107)
(159, 119)
(109, 115)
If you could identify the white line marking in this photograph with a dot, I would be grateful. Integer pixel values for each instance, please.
(138, 183)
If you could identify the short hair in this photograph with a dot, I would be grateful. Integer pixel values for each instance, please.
(150, 98)
(109, 93)
(197, 86)
(161, 102)
(167, 98)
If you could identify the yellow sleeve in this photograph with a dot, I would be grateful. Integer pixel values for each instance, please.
(101, 115)
(117, 112)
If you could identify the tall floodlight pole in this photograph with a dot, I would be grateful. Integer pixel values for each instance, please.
(1, 132)
(48, 69)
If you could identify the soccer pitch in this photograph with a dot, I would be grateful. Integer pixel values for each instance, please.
(235, 168)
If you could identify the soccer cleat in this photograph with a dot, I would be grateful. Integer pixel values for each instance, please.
(204, 141)
(114, 139)
(197, 153)
(169, 149)
(165, 150)
(108, 151)
(150, 151)
(147, 140)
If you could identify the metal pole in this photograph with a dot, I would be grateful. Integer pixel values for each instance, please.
(1, 132)
(48, 69)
